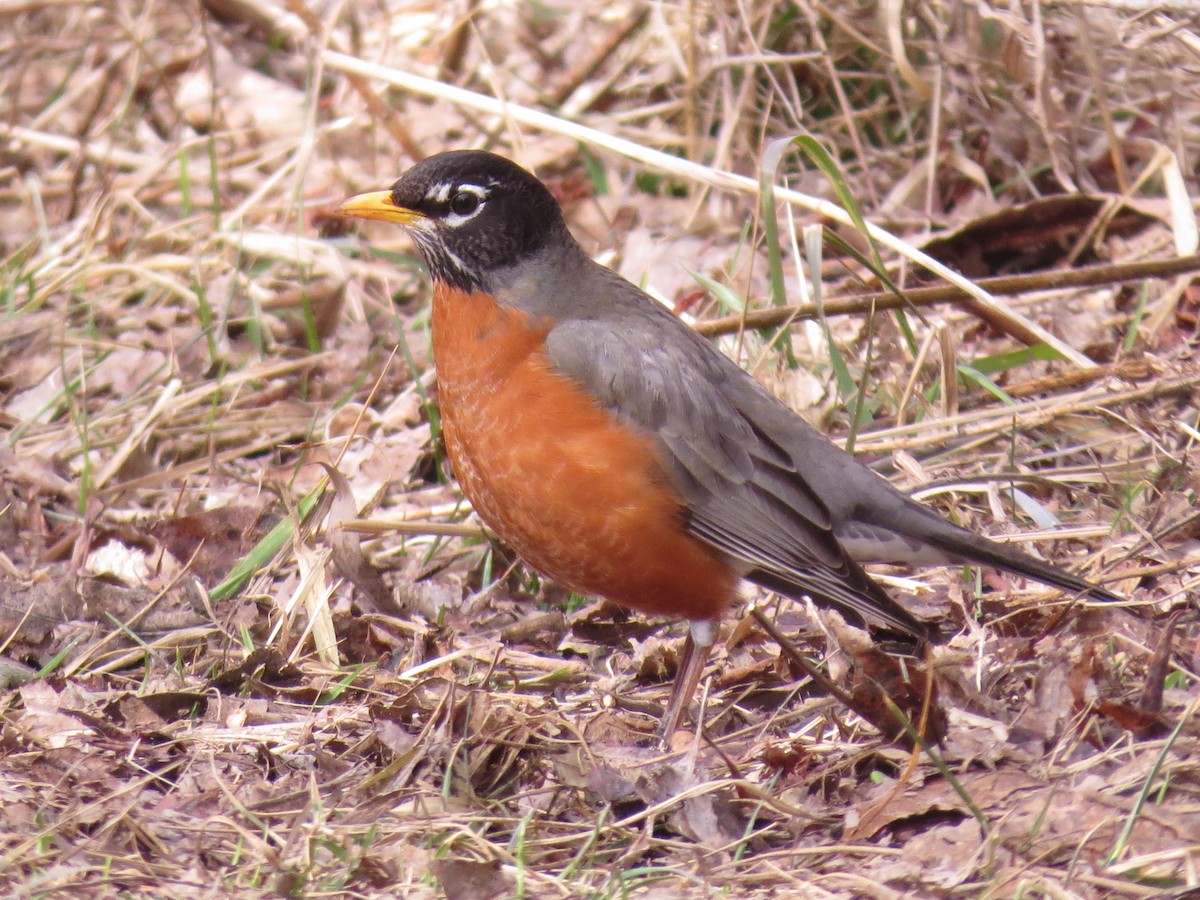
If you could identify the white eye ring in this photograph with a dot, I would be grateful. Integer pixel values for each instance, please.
(464, 202)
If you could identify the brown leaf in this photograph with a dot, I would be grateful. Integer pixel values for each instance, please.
(1031, 236)
(790, 760)
(155, 710)
(879, 681)
(30, 609)
(468, 879)
(943, 854)
(711, 818)
(215, 540)
(265, 665)
(543, 630)
(753, 673)
(1145, 724)
(656, 660)
(346, 547)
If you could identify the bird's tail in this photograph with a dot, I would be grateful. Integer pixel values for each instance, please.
(925, 526)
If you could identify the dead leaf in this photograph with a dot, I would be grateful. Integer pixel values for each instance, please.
(470, 879)
(346, 547)
(213, 541)
(1034, 235)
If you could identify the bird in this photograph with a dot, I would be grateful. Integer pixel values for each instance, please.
(624, 456)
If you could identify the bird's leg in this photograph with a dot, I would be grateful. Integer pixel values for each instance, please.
(701, 635)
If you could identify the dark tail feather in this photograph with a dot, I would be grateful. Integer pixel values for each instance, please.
(974, 548)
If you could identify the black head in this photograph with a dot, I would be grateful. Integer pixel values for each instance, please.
(472, 213)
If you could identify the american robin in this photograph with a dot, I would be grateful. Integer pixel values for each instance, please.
(621, 454)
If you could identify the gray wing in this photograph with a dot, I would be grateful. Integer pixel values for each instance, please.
(713, 425)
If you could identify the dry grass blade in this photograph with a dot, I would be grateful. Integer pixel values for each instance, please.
(698, 173)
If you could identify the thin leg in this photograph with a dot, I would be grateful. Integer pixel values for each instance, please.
(701, 635)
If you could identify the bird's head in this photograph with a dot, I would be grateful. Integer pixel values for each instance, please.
(472, 213)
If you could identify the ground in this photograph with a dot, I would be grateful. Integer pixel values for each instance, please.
(254, 640)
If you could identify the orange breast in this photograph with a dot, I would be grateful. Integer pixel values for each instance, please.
(579, 497)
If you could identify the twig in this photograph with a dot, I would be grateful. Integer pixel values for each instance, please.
(1058, 279)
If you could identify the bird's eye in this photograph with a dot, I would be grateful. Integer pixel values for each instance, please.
(464, 203)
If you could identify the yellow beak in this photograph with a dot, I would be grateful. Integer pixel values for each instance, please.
(377, 205)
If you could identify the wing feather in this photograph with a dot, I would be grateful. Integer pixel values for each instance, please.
(743, 493)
